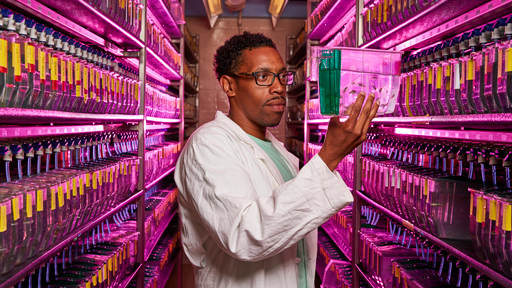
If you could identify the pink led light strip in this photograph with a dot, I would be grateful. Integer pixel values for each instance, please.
(102, 16)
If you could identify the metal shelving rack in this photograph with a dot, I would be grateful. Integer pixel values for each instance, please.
(191, 90)
(102, 32)
(425, 28)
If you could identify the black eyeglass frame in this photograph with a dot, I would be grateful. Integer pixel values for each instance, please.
(255, 74)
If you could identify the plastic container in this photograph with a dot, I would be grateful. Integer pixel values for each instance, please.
(345, 72)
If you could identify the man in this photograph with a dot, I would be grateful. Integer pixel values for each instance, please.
(249, 216)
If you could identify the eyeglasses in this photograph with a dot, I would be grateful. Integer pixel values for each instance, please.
(265, 78)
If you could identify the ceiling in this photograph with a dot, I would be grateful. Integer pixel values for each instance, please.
(253, 8)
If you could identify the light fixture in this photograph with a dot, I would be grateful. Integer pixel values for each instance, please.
(215, 7)
(275, 7)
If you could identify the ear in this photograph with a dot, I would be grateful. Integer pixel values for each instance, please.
(228, 84)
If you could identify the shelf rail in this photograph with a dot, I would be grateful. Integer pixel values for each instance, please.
(476, 264)
(21, 271)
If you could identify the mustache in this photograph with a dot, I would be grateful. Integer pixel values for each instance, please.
(274, 98)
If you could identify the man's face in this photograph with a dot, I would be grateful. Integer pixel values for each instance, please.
(261, 105)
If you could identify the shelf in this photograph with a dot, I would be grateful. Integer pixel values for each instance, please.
(21, 271)
(479, 16)
(191, 57)
(462, 250)
(164, 17)
(39, 12)
(94, 20)
(159, 65)
(161, 120)
(129, 278)
(21, 116)
(328, 227)
(298, 55)
(40, 131)
(190, 88)
(366, 276)
(166, 273)
(160, 177)
(150, 245)
(298, 88)
(333, 17)
(423, 21)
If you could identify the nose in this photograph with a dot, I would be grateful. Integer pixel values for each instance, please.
(277, 87)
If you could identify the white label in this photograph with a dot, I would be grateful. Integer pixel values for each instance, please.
(457, 76)
(398, 180)
(386, 177)
(392, 178)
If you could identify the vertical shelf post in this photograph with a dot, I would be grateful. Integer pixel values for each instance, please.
(308, 86)
(141, 203)
(356, 213)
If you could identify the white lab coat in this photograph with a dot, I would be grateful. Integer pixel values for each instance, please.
(240, 221)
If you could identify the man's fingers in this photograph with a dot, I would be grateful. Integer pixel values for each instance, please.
(365, 113)
(373, 113)
(356, 109)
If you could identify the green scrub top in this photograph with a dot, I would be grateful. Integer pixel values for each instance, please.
(287, 175)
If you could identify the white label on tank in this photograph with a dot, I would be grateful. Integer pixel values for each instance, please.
(457, 76)
(392, 178)
(386, 177)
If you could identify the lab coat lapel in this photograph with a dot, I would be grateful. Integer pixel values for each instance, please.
(258, 152)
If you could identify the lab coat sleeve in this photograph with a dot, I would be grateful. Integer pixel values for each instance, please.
(250, 228)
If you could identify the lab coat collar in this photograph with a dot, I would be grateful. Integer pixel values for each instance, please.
(258, 152)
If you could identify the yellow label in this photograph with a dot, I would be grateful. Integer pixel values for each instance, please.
(115, 261)
(429, 76)
(130, 169)
(81, 186)
(508, 60)
(507, 217)
(470, 72)
(486, 61)
(422, 76)
(407, 93)
(98, 76)
(16, 59)
(136, 91)
(471, 206)
(500, 63)
(54, 66)
(74, 187)
(40, 200)
(88, 284)
(439, 77)
(15, 209)
(61, 196)
(100, 177)
(78, 77)
(70, 72)
(111, 175)
(53, 200)
(86, 84)
(414, 80)
(125, 168)
(87, 180)
(104, 272)
(447, 70)
(3, 54)
(68, 190)
(28, 204)
(110, 264)
(480, 210)
(94, 180)
(492, 210)
(63, 66)
(42, 65)
(385, 16)
(30, 54)
(3, 218)
(379, 13)
(94, 281)
(427, 192)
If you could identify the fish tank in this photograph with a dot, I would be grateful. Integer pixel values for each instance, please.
(345, 72)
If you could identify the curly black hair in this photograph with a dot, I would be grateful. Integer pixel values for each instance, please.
(228, 57)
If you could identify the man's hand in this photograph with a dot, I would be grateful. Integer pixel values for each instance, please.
(342, 138)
